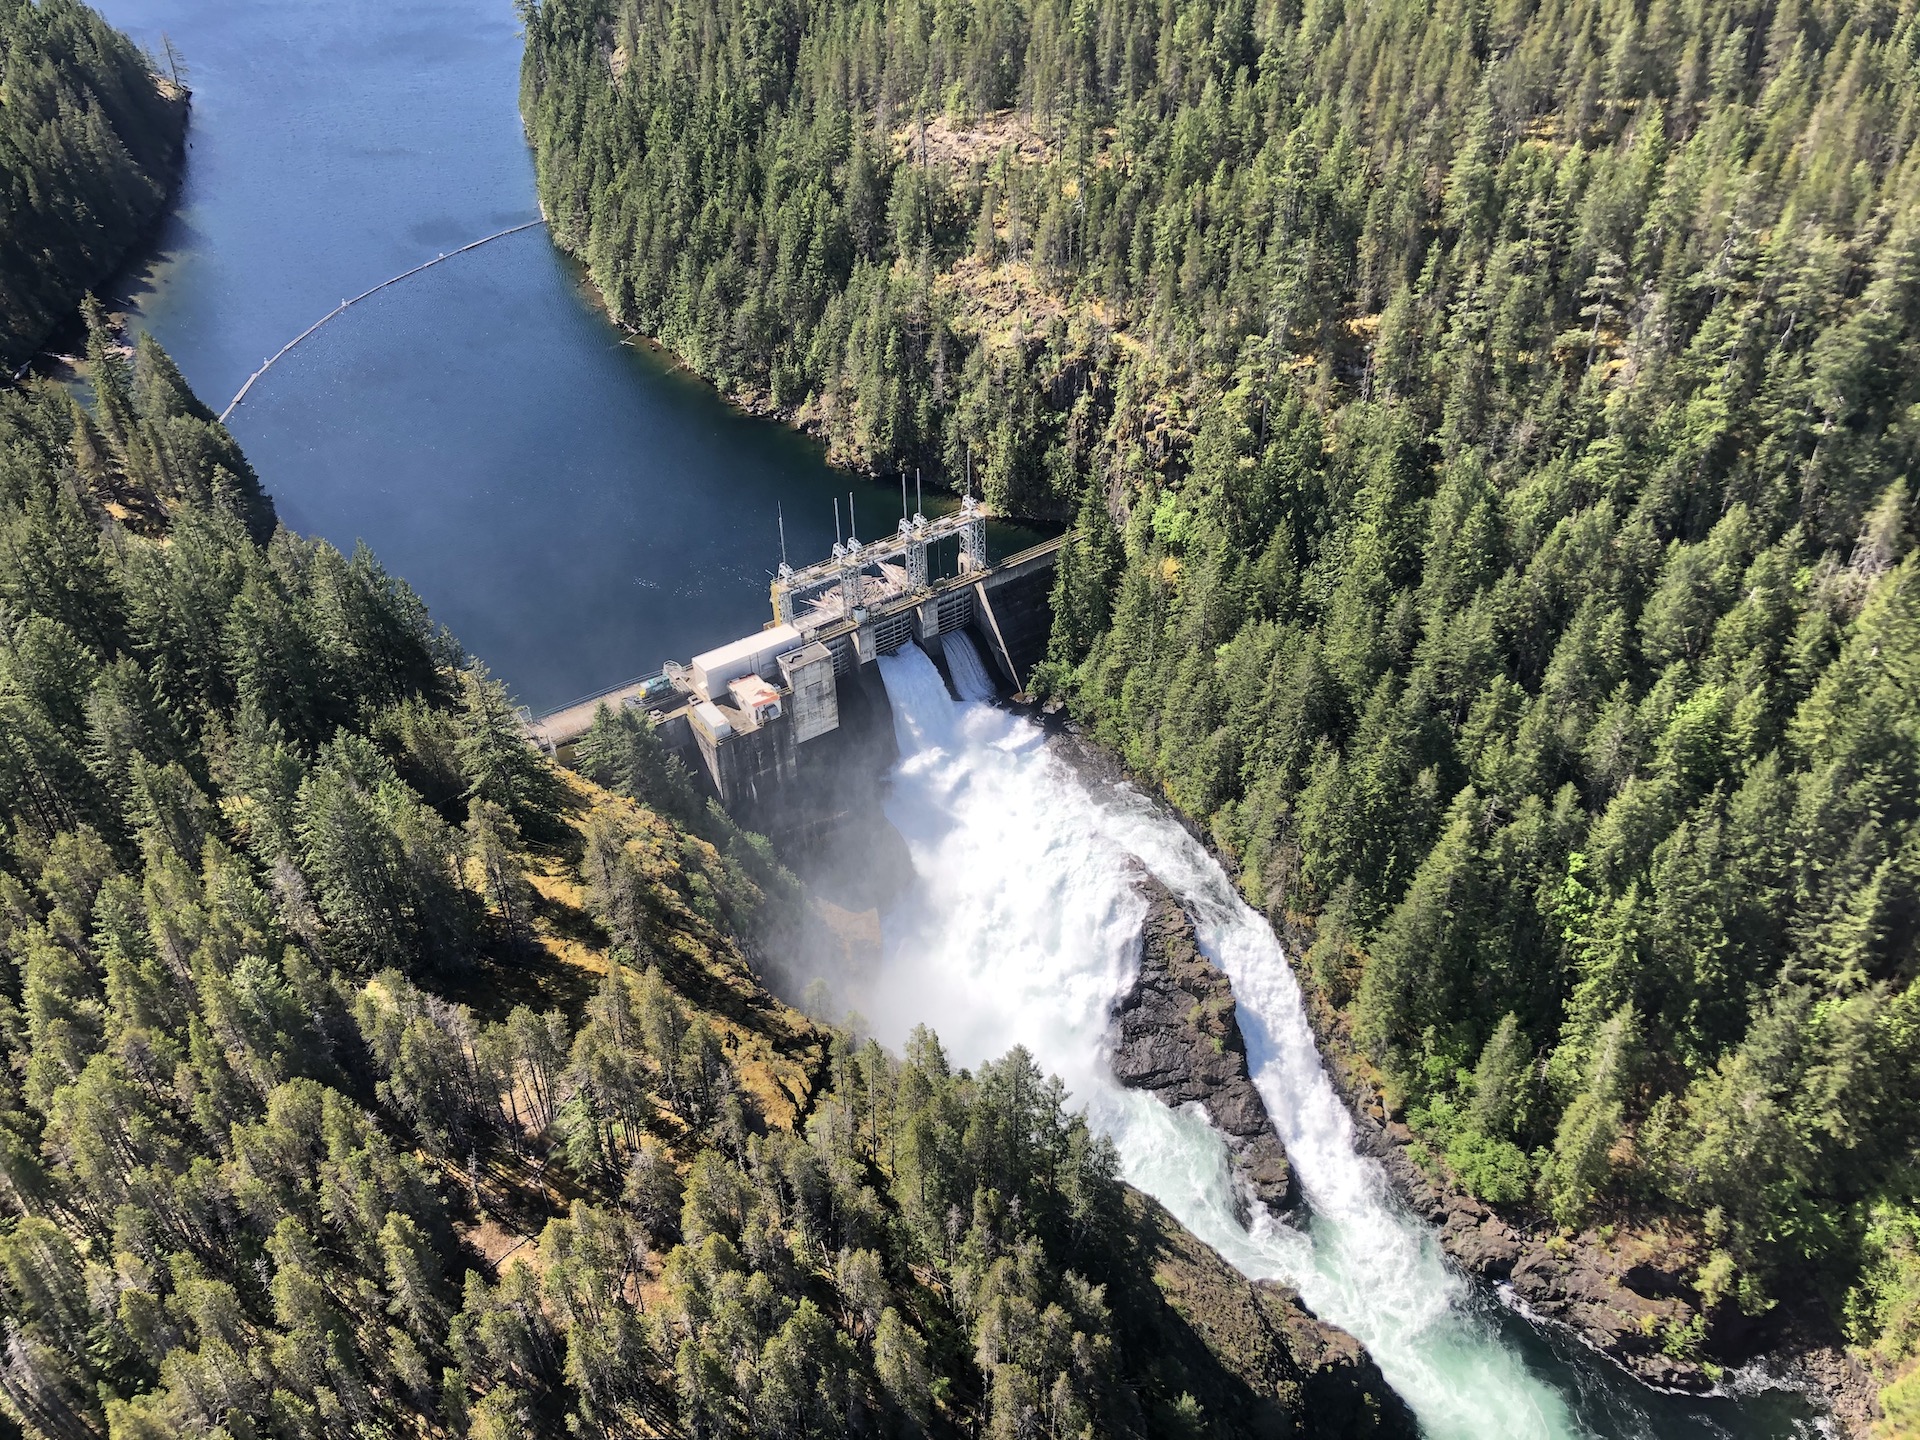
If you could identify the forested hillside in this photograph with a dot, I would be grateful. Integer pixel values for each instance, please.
(89, 142)
(1491, 434)
(364, 1073)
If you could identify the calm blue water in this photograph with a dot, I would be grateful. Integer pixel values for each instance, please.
(571, 506)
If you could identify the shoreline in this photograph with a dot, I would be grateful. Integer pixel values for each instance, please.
(757, 404)
(752, 404)
(49, 354)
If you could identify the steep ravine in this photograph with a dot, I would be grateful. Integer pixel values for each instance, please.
(1024, 922)
(1022, 926)
(1177, 1035)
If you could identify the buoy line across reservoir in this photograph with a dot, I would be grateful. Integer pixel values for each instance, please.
(270, 361)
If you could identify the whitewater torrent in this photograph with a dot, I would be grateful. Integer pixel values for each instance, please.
(1023, 929)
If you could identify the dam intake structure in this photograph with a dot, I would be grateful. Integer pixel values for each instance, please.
(775, 719)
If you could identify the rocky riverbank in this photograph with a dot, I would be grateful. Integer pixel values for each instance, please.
(1175, 1034)
(1627, 1291)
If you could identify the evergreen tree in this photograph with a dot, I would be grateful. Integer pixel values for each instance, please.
(90, 144)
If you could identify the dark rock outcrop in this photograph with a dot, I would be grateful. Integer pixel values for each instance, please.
(1623, 1305)
(1256, 1358)
(1175, 1033)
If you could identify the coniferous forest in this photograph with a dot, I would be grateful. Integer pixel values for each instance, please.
(366, 1073)
(90, 140)
(363, 1072)
(1490, 435)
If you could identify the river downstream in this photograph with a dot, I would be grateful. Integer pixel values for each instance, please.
(1021, 925)
(577, 510)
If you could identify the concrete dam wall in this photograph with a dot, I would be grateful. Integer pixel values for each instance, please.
(790, 728)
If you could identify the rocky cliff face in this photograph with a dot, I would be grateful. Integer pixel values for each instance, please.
(1175, 1033)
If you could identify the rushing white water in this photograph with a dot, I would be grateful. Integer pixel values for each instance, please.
(1023, 928)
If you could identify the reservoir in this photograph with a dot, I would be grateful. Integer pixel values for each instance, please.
(573, 507)
(577, 510)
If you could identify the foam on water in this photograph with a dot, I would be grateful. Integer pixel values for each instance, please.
(1022, 927)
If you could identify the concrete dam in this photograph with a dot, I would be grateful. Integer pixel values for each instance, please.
(789, 727)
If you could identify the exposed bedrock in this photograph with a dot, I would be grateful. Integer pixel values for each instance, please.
(1175, 1033)
(1261, 1365)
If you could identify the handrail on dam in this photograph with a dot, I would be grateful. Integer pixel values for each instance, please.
(1034, 552)
(637, 684)
(563, 723)
(270, 361)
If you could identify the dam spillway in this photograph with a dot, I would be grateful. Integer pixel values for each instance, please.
(769, 719)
